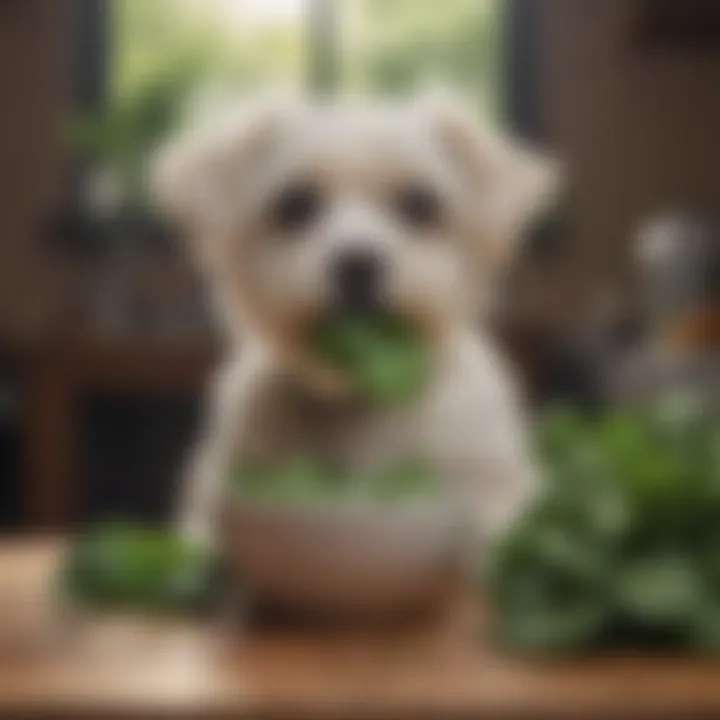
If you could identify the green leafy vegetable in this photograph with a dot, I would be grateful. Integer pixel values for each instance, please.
(138, 567)
(304, 480)
(623, 544)
(386, 358)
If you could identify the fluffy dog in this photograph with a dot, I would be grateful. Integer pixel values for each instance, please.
(298, 207)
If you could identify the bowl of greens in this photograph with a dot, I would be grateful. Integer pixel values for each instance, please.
(303, 536)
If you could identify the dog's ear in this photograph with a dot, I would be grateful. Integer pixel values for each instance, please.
(198, 178)
(506, 183)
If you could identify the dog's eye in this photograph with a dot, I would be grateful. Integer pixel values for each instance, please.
(419, 206)
(296, 207)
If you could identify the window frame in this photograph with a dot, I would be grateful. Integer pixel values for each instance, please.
(521, 68)
(90, 21)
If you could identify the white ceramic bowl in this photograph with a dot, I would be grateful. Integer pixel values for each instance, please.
(343, 560)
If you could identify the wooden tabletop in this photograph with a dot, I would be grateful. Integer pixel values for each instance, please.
(121, 667)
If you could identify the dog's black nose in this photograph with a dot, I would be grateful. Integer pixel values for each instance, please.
(357, 279)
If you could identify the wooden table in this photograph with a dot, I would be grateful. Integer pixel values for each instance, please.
(124, 668)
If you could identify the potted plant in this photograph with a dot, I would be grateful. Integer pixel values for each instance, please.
(132, 243)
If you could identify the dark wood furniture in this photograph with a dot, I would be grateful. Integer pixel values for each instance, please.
(56, 374)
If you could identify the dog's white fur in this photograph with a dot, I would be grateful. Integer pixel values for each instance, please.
(271, 399)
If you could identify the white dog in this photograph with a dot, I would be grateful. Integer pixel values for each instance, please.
(295, 207)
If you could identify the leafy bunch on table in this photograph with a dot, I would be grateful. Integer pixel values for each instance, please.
(622, 548)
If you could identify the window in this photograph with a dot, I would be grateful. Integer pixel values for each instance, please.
(156, 61)
(335, 46)
(393, 46)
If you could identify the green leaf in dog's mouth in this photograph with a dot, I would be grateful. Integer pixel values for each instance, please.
(386, 357)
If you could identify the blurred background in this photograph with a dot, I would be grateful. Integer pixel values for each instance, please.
(105, 340)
